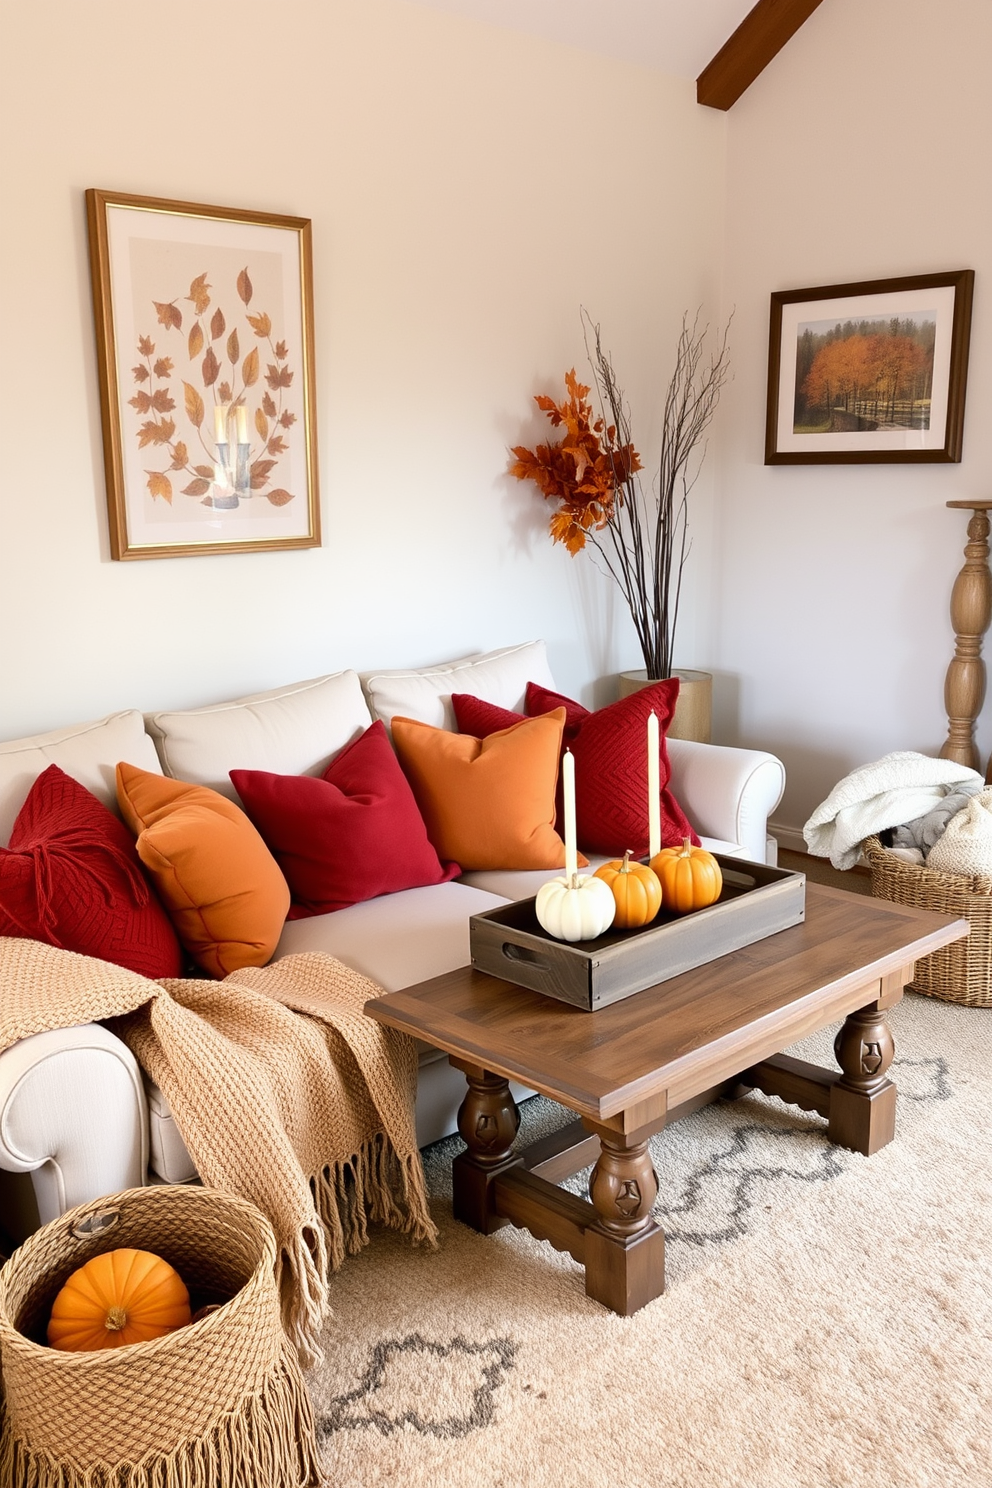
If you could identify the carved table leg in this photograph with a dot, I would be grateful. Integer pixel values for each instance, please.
(863, 1101)
(488, 1121)
(625, 1249)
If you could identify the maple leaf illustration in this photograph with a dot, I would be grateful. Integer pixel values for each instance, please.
(168, 315)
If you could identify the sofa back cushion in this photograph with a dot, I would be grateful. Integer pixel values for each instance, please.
(87, 751)
(424, 694)
(292, 730)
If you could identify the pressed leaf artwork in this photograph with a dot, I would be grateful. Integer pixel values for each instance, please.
(228, 454)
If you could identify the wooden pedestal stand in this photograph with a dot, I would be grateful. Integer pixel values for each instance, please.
(971, 611)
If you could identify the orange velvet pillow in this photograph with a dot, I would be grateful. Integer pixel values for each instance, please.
(487, 803)
(223, 890)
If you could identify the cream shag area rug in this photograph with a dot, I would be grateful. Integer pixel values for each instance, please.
(827, 1321)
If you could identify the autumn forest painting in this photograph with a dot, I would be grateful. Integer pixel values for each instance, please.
(873, 373)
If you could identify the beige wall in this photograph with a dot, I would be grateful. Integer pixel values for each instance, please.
(861, 153)
(468, 191)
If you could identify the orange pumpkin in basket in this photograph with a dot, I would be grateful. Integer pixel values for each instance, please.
(636, 891)
(124, 1296)
(690, 877)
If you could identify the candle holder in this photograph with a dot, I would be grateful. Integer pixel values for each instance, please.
(232, 468)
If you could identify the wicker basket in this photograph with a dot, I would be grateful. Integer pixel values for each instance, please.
(219, 1402)
(962, 971)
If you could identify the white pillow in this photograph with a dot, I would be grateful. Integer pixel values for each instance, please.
(498, 677)
(292, 730)
(89, 752)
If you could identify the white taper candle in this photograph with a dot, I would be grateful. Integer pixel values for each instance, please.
(654, 797)
(568, 802)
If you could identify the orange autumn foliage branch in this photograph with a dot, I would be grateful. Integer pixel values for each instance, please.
(585, 472)
(639, 535)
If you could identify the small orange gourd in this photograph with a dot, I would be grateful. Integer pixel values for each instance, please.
(123, 1296)
(636, 892)
(690, 877)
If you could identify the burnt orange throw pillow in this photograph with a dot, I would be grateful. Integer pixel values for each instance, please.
(487, 803)
(223, 890)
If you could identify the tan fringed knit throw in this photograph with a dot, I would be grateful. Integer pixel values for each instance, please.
(283, 1091)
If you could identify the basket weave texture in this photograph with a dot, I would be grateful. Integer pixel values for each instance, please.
(960, 972)
(221, 1401)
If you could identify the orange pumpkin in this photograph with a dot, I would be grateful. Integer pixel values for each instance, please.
(636, 892)
(690, 877)
(123, 1296)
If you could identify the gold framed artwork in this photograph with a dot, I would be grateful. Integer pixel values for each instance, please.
(869, 372)
(204, 328)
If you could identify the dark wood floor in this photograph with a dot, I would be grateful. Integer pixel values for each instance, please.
(819, 870)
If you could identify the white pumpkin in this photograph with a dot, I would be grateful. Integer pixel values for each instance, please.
(579, 908)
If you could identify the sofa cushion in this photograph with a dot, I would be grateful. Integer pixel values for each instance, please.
(72, 878)
(223, 890)
(293, 730)
(398, 940)
(487, 803)
(167, 1154)
(611, 769)
(354, 833)
(87, 751)
(425, 693)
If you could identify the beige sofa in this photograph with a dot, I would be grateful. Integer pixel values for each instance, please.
(77, 1118)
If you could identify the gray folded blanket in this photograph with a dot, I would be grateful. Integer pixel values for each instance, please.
(925, 830)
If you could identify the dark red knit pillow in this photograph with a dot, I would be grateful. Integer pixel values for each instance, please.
(475, 716)
(351, 835)
(71, 877)
(611, 768)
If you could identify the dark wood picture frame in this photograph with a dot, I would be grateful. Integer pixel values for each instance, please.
(205, 336)
(874, 415)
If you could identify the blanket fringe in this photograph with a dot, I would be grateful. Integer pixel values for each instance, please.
(374, 1184)
(301, 1276)
(268, 1439)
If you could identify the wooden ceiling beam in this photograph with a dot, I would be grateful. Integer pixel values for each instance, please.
(760, 36)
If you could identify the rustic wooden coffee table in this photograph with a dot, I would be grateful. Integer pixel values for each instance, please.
(630, 1068)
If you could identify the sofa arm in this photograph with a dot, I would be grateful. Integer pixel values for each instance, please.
(727, 793)
(73, 1114)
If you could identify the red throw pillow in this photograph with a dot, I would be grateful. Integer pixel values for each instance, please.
(475, 716)
(71, 877)
(350, 835)
(611, 768)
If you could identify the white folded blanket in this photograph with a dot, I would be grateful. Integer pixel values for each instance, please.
(893, 790)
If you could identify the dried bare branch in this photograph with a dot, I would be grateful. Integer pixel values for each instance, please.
(646, 536)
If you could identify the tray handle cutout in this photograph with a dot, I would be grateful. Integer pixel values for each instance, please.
(524, 953)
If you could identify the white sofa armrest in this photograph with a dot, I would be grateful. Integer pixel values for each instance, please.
(73, 1115)
(727, 793)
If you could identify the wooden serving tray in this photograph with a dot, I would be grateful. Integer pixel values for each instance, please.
(756, 900)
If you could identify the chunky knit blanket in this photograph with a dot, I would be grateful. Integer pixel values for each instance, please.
(284, 1092)
(895, 789)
